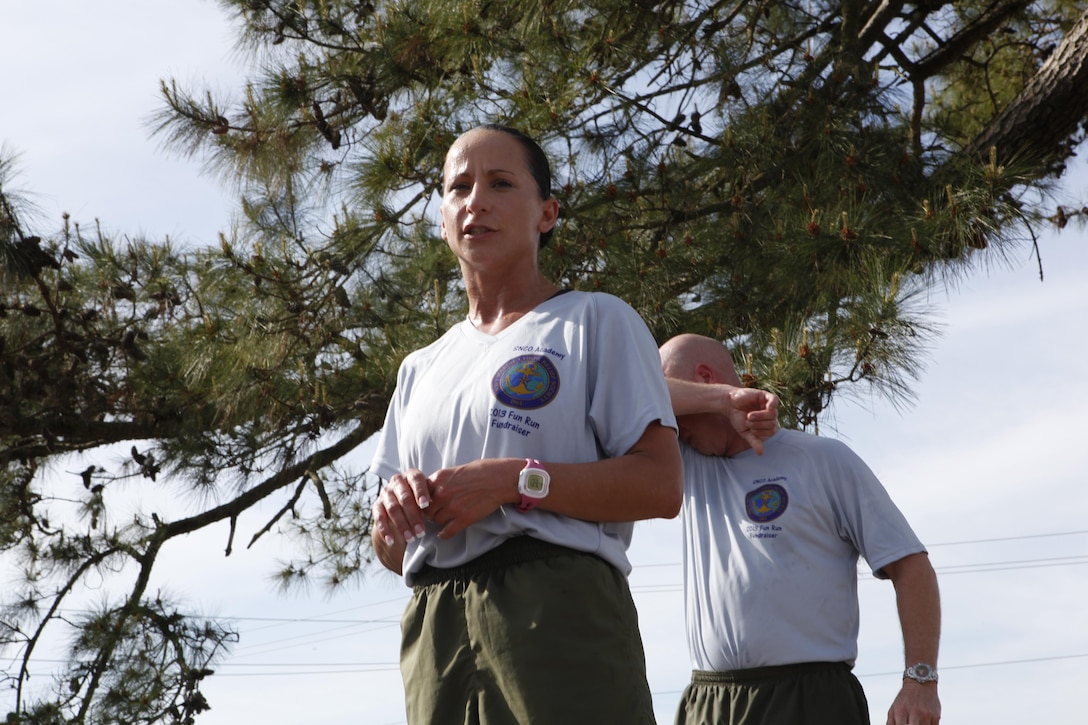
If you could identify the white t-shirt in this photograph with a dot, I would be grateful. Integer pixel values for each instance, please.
(575, 380)
(771, 545)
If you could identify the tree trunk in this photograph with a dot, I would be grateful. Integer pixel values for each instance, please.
(1040, 124)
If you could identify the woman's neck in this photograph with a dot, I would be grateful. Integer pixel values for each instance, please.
(492, 310)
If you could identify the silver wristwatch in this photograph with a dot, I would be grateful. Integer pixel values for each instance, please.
(921, 672)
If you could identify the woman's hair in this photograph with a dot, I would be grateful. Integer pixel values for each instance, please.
(539, 168)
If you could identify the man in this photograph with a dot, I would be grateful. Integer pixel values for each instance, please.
(771, 544)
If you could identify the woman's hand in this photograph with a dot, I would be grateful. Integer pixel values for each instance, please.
(463, 495)
(398, 516)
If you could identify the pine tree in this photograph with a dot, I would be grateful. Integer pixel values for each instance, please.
(789, 178)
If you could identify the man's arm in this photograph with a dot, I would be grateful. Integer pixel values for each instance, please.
(753, 413)
(918, 601)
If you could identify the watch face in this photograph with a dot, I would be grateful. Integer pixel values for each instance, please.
(534, 483)
(921, 672)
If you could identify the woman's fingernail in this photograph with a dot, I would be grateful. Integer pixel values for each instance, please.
(424, 502)
(389, 540)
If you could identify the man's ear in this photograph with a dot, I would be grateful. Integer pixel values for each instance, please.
(704, 373)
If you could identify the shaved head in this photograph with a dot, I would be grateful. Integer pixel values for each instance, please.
(698, 358)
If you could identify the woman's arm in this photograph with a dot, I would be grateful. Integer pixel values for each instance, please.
(646, 482)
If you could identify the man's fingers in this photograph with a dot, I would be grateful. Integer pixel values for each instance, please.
(755, 441)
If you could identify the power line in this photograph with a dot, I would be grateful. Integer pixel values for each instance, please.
(1028, 661)
(945, 667)
(943, 570)
(345, 625)
(963, 568)
(1011, 565)
(309, 639)
(390, 668)
(276, 621)
(319, 619)
(302, 668)
(1008, 538)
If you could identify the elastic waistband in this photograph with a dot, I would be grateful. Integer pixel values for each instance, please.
(515, 550)
(754, 674)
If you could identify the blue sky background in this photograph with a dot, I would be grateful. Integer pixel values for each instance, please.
(989, 464)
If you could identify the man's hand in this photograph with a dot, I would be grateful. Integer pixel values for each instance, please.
(916, 704)
(753, 413)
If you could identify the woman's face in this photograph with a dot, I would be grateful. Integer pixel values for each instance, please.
(491, 206)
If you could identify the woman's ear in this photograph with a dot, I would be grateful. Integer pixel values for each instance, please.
(550, 215)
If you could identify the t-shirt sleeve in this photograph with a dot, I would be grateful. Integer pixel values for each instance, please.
(627, 388)
(868, 516)
(386, 462)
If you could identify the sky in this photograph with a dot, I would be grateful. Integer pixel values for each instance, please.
(988, 463)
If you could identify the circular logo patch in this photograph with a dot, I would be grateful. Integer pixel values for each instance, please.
(766, 503)
(526, 382)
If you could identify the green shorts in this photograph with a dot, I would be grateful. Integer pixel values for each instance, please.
(812, 692)
(527, 633)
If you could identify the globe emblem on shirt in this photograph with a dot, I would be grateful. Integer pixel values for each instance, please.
(526, 382)
(766, 503)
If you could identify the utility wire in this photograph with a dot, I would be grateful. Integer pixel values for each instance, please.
(943, 570)
(975, 665)
(344, 668)
(1008, 538)
(338, 632)
(944, 667)
(950, 568)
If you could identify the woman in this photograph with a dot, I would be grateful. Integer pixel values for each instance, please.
(517, 451)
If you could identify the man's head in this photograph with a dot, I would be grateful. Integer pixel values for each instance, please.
(699, 359)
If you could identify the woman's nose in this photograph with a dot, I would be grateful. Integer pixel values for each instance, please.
(477, 200)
